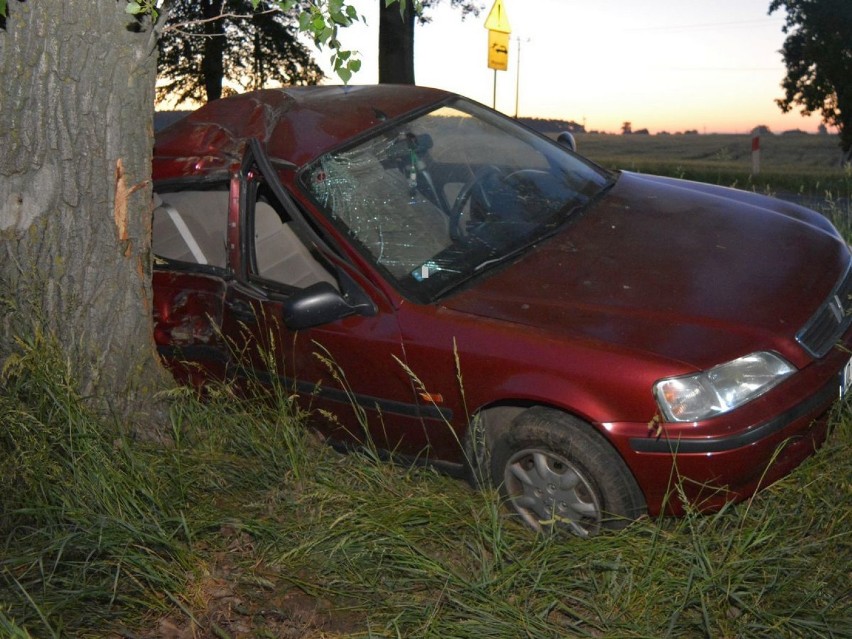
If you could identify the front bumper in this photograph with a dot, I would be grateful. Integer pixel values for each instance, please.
(731, 457)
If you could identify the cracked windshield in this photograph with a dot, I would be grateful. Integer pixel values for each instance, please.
(438, 200)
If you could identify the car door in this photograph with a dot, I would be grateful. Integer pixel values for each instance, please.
(346, 364)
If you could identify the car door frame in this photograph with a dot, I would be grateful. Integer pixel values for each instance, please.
(343, 383)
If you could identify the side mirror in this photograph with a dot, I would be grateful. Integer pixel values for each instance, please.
(567, 139)
(318, 304)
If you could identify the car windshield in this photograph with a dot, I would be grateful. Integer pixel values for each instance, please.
(439, 199)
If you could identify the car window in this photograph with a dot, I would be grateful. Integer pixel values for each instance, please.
(278, 254)
(373, 194)
(190, 226)
(433, 199)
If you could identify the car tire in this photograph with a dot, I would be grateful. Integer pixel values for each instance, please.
(558, 474)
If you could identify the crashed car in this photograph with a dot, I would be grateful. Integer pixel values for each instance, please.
(429, 275)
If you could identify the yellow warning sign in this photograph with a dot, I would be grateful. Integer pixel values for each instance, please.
(498, 50)
(497, 19)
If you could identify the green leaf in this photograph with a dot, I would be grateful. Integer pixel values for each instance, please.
(2, 7)
(325, 35)
(133, 8)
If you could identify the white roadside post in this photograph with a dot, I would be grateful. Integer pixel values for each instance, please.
(755, 154)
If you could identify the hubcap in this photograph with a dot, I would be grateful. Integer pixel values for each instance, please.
(549, 492)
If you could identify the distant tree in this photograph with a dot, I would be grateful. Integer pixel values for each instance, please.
(396, 44)
(691, 132)
(642, 132)
(822, 129)
(818, 56)
(396, 36)
(207, 42)
(761, 129)
(627, 128)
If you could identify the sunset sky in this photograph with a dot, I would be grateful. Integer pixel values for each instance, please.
(671, 65)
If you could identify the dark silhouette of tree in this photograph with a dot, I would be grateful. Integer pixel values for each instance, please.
(627, 128)
(208, 42)
(818, 56)
(396, 44)
(396, 37)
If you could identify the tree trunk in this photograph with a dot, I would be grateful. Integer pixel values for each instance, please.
(213, 62)
(75, 194)
(396, 44)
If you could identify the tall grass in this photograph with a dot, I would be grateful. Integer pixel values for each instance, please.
(86, 514)
(98, 528)
(422, 556)
(105, 535)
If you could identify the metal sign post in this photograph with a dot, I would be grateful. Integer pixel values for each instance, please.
(499, 29)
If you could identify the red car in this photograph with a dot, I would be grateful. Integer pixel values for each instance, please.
(424, 271)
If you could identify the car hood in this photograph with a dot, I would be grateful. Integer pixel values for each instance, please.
(684, 271)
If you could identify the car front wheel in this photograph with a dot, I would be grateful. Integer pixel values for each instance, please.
(558, 474)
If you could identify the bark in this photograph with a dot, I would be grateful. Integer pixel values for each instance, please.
(396, 44)
(75, 193)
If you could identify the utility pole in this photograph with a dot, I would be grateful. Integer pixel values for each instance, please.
(518, 77)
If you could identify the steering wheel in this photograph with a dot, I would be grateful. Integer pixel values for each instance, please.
(483, 174)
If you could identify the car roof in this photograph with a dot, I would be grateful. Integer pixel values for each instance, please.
(295, 124)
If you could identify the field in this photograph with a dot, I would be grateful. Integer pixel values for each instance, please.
(809, 164)
(806, 169)
(796, 154)
(246, 525)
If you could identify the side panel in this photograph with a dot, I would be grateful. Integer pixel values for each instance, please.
(349, 374)
(188, 309)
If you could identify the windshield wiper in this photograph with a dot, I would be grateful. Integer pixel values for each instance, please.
(522, 248)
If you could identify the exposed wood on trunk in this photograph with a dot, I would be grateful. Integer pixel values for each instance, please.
(75, 257)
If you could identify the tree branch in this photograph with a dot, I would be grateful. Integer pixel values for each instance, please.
(179, 27)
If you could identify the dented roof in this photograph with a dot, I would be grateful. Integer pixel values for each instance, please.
(294, 124)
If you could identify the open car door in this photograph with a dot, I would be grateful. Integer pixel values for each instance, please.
(298, 316)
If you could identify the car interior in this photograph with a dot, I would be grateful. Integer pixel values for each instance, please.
(191, 227)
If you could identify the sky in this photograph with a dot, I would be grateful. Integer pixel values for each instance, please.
(666, 65)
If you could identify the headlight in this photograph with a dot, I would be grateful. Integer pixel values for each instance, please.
(721, 389)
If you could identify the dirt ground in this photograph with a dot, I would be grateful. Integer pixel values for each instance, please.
(234, 602)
